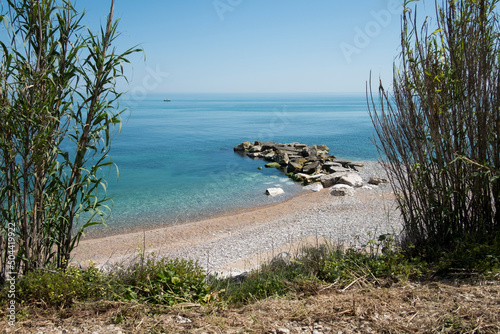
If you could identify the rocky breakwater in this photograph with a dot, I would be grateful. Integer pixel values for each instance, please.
(313, 165)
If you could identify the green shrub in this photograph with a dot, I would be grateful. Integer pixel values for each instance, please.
(62, 287)
(162, 281)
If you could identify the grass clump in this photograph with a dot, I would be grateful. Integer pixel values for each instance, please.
(313, 268)
(61, 288)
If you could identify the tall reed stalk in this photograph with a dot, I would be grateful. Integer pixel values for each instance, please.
(57, 113)
(439, 129)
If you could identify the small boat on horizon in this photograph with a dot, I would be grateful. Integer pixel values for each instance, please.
(166, 100)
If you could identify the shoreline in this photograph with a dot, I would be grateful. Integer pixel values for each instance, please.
(104, 232)
(240, 240)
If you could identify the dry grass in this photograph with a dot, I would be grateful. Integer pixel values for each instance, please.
(432, 307)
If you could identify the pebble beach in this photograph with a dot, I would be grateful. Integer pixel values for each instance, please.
(240, 241)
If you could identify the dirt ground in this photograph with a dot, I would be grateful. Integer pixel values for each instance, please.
(452, 306)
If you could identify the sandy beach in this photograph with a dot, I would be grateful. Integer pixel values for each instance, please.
(239, 241)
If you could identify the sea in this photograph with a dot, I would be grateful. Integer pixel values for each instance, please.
(175, 160)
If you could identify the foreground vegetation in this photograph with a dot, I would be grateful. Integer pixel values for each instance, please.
(151, 287)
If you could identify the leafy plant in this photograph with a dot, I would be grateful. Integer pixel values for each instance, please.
(57, 113)
(163, 281)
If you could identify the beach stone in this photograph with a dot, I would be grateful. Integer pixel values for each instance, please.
(351, 179)
(315, 187)
(331, 179)
(274, 191)
(377, 180)
(342, 190)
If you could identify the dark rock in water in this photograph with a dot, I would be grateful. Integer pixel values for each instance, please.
(294, 167)
(255, 148)
(310, 151)
(254, 155)
(243, 146)
(282, 158)
(270, 156)
(268, 145)
(311, 168)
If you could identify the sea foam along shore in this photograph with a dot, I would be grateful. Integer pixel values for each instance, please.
(239, 241)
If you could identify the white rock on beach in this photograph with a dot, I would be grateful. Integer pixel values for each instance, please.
(342, 190)
(274, 191)
(314, 187)
(352, 179)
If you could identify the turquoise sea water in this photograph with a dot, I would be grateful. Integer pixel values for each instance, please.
(176, 161)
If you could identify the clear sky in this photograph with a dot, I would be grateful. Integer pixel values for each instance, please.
(199, 46)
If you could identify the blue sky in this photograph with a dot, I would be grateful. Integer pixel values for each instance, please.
(255, 45)
(223, 46)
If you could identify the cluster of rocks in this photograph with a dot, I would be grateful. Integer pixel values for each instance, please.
(311, 165)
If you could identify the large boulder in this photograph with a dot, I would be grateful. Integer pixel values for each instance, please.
(269, 155)
(274, 191)
(255, 149)
(242, 147)
(331, 179)
(351, 179)
(294, 167)
(322, 148)
(282, 158)
(268, 145)
(311, 168)
(310, 152)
